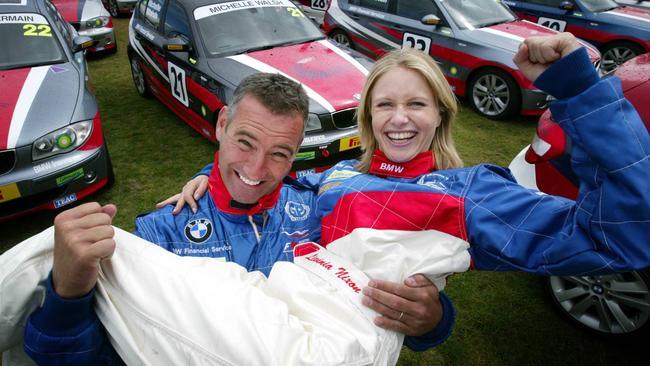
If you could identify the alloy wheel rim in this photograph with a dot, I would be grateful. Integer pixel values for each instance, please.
(615, 57)
(341, 39)
(613, 304)
(138, 77)
(491, 95)
(113, 8)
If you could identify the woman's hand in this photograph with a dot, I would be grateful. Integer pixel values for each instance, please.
(536, 54)
(192, 191)
(412, 308)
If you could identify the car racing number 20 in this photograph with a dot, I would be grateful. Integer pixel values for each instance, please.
(415, 41)
(319, 4)
(177, 83)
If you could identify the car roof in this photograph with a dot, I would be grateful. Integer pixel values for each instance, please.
(20, 6)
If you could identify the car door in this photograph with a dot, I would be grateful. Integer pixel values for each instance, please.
(435, 40)
(187, 84)
(372, 31)
(549, 14)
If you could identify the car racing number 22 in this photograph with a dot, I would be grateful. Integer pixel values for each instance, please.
(417, 42)
(554, 24)
(177, 83)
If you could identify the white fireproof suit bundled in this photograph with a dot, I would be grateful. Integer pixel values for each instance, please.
(162, 309)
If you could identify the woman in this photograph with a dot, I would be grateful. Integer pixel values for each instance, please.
(392, 215)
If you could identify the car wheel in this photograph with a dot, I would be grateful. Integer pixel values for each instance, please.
(613, 305)
(494, 94)
(113, 9)
(617, 53)
(341, 38)
(138, 78)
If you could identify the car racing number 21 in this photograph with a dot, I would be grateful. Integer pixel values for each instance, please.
(554, 24)
(417, 42)
(177, 83)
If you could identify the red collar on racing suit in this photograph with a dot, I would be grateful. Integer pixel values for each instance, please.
(224, 201)
(422, 163)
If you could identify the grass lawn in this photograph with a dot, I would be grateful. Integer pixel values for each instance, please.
(503, 319)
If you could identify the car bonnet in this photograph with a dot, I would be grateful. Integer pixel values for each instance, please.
(36, 101)
(509, 36)
(332, 78)
(628, 16)
(78, 10)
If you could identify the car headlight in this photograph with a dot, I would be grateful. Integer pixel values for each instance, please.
(96, 22)
(62, 140)
(313, 123)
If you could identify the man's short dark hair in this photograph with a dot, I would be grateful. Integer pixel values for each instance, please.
(279, 94)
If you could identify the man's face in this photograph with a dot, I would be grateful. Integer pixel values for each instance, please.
(256, 149)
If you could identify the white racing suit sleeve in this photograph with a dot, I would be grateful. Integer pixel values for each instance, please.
(162, 309)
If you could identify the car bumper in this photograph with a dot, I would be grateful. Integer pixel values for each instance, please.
(533, 102)
(105, 38)
(326, 149)
(52, 183)
(126, 6)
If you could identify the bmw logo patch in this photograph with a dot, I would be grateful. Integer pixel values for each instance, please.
(198, 231)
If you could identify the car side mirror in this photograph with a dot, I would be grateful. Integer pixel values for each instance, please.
(177, 44)
(80, 43)
(567, 5)
(430, 19)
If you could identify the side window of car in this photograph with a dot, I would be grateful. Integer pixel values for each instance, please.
(152, 14)
(415, 9)
(59, 23)
(381, 5)
(141, 8)
(176, 21)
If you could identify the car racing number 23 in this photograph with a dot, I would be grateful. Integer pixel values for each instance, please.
(177, 83)
(417, 42)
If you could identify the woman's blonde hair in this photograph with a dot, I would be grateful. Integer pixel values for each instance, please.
(442, 146)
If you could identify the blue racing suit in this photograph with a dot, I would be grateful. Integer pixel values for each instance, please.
(509, 227)
(68, 331)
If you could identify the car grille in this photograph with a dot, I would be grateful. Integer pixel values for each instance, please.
(345, 118)
(76, 25)
(7, 160)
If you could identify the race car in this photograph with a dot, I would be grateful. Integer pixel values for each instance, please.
(90, 19)
(117, 8)
(473, 41)
(620, 32)
(52, 149)
(191, 54)
(614, 305)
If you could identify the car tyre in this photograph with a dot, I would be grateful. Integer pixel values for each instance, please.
(341, 38)
(493, 93)
(616, 306)
(139, 80)
(113, 9)
(616, 53)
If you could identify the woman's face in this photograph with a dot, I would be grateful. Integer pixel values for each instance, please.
(404, 114)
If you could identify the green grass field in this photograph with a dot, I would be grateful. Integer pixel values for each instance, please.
(502, 319)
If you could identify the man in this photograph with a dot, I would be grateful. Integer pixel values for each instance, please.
(250, 217)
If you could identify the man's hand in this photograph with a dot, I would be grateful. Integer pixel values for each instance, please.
(412, 309)
(536, 54)
(82, 237)
(192, 191)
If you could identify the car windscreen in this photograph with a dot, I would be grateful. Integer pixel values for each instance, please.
(472, 14)
(241, 26)
(599, 5)
(28, 40)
